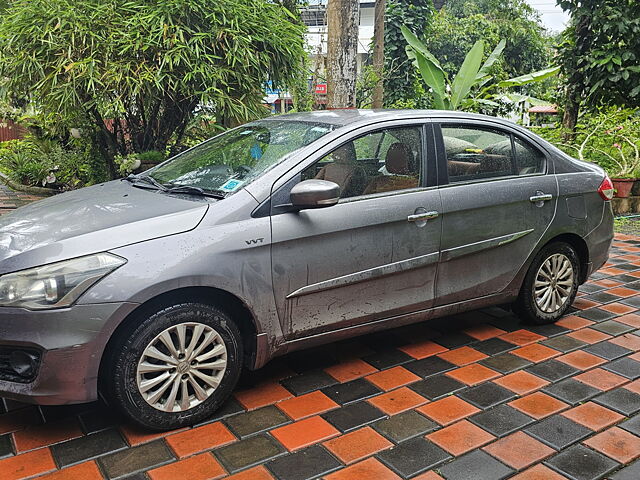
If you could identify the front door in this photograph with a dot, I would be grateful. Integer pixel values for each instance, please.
(371, 256)
(498, 201)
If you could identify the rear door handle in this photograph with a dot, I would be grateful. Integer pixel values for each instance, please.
(421, 217)
(541, 197)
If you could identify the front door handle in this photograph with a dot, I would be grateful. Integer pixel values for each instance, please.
(540, 197)
(421, 217)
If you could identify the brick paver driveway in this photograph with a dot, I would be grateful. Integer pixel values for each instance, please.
(476, 396)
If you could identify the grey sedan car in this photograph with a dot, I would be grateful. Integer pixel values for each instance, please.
(157, 289)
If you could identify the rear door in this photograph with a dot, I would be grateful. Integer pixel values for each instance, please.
(499, 196)
(374, 254)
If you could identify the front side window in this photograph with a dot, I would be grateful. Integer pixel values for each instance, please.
(235, 158)
(383, 161)
(477, 153)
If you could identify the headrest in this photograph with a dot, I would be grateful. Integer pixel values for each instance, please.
(344, 154)
(399, 159)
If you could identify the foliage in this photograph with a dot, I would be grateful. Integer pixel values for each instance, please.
(461, 23)
(147, 66)
(609, 137)
(43, 162)
(600, 51)
(400, 80)
(471, 84)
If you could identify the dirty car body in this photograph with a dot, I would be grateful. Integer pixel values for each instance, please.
(435, 213)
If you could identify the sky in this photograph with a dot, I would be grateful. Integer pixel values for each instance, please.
(552, 16)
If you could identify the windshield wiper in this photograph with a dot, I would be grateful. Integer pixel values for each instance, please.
(190, 190)
(134, 179)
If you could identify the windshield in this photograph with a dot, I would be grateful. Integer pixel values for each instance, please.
(233, 159)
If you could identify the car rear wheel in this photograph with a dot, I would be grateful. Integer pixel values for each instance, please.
(176, 367)
(550, 285)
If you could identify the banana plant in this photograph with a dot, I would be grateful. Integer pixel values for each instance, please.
(473, 77)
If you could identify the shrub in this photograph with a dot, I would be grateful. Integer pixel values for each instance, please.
(609, 138)
(42, 162)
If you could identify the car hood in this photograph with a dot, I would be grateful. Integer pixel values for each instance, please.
(91, 220)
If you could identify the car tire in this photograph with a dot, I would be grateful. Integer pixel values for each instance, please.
(550, 286)
(197, 378)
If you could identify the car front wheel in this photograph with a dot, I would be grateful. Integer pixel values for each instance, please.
(550, 285)
(176, 367)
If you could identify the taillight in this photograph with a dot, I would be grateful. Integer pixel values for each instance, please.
(606, 189)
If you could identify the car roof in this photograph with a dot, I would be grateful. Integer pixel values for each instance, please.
(345, 116)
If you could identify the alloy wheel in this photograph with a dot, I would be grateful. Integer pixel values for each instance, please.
(181, 367)
(554, 283)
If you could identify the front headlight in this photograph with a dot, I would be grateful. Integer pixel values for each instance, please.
(57, 284)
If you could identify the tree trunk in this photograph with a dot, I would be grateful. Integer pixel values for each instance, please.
(571, 111)
(378, 54)
(342, 49)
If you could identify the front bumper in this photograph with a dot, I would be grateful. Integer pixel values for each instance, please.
(71, 342)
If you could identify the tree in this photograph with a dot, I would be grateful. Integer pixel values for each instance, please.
(135, 72)
(600, 55)
(460, 23)
(378, 53)
(471, 84)
(399, 78)
(342, 49)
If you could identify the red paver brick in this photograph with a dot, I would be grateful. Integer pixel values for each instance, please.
(601, 379)
(593, 416)
(43, 435)
(460, 437)
(473, 374)
(574, 323)
(136, 435)
(350, 370)
(522, 337)
(539, 472)
(430, 475)
(357, 445)
(423, 349)
(366, 470)
(462, 356)
(612, 271)
(519, 450)
(583, 304)
(535, 352)
(521, 382)
(581, 360)
(262, 395)
(200, 467)
(606, 282)
(393, 378)
(304, 433)
(631, 319)
(199, 439)
(26, 465)
(538, 405)
(616, 443)
(484, 332)
(397, 401)
(618, 308)
(307, 405)
(634, 386)
(83, 471)
(255, 473)
(447, 410)
(632, 342)
(589, 335)
(622, 292)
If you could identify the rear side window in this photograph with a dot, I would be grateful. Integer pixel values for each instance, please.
(477, 153)
(529, 160)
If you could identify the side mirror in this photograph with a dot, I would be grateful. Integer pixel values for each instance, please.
(315, 194)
